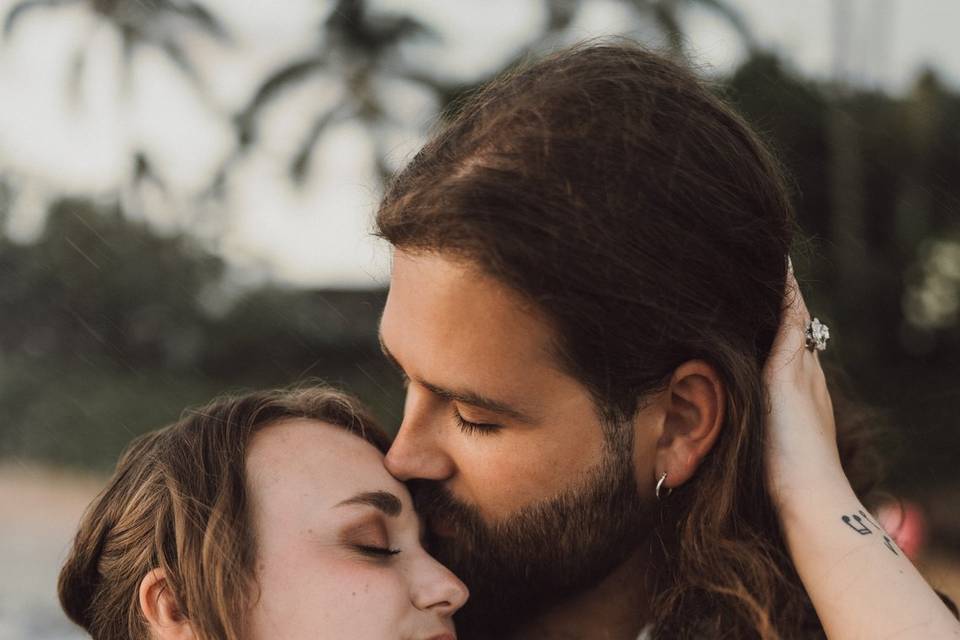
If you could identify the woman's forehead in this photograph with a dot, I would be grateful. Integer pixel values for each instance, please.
(312, 459)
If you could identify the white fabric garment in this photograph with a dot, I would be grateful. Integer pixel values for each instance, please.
(645, 633)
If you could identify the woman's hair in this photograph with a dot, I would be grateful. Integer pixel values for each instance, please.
(178, 502)
(647, 221)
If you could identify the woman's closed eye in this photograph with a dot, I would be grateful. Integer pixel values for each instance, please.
(370, 539)
(374, 551)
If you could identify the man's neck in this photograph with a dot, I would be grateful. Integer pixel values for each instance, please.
(615, 609)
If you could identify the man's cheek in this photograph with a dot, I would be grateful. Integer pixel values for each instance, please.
(500, 489)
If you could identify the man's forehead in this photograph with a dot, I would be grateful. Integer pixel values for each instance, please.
(452, 295)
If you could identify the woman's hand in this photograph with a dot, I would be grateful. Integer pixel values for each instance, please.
(801, 436)
(860, 583)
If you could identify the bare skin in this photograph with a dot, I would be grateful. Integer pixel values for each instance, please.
(338, 547)
(861, 584)
(460, 337)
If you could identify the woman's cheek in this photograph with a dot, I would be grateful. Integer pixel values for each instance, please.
(335, 597)
(373, 598)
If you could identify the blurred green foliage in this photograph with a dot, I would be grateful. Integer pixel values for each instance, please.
(105, 335)
(880, 254)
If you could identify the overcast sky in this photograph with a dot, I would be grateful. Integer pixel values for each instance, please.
(318, 235)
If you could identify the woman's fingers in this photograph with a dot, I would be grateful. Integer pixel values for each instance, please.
(801, 434)
(790, 337)
(799, 305)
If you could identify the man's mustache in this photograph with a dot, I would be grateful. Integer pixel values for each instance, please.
(432, 498)
(435, 503)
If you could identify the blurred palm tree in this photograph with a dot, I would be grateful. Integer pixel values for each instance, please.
(364, 44)
(667, 15)
(356, 43)
(358, 46)
(158, 24)
(140, 23)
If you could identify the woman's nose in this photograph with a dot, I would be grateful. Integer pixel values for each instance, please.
(439, 590)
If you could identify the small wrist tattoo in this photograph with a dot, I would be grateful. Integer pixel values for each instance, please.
(859, 524)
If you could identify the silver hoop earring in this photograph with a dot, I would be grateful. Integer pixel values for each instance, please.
(660, 484)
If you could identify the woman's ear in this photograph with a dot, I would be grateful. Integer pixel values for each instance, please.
(159, 607)
(694, 407)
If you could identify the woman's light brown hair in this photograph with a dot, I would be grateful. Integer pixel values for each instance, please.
(177, 501)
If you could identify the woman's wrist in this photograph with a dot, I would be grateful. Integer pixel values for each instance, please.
(814, 492)
(859, 581)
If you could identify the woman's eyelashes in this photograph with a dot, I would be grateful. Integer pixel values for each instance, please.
(479, 428)
(375, 551)
(370, 539)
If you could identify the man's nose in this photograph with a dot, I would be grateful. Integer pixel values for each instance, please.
(417, 451)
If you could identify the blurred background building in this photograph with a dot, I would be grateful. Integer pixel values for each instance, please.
(186, 191)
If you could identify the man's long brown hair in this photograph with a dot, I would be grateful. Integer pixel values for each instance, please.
(619, 193)
(177, 501)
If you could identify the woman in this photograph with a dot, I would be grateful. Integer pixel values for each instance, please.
(268, 515)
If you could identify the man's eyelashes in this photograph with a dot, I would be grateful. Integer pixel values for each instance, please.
(467, 426)
(476, 428)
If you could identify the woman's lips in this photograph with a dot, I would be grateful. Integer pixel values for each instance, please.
(443, 636)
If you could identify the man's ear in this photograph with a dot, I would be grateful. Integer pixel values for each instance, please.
(159, 607)
(694, 407)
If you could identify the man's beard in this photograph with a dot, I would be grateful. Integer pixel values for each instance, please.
(546, 552)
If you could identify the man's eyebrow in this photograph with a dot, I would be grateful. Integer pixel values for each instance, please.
(382, 500)
(477, 400)
(465, 397)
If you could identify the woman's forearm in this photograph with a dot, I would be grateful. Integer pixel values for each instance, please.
(861, 584)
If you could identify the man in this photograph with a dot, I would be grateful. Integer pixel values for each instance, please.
(588, 276)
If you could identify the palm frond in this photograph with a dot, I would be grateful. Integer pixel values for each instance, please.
(144, 15)
(143, 172)
(129, 37)
(353, 39)
(353, 29)
(202, 19)
(16, 13)
(300, 166)
(175, 53)
(665, 15)
(275, 84)
(560, 14)
(734, 17)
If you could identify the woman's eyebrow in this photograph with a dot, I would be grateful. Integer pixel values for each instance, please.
(382, 500)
